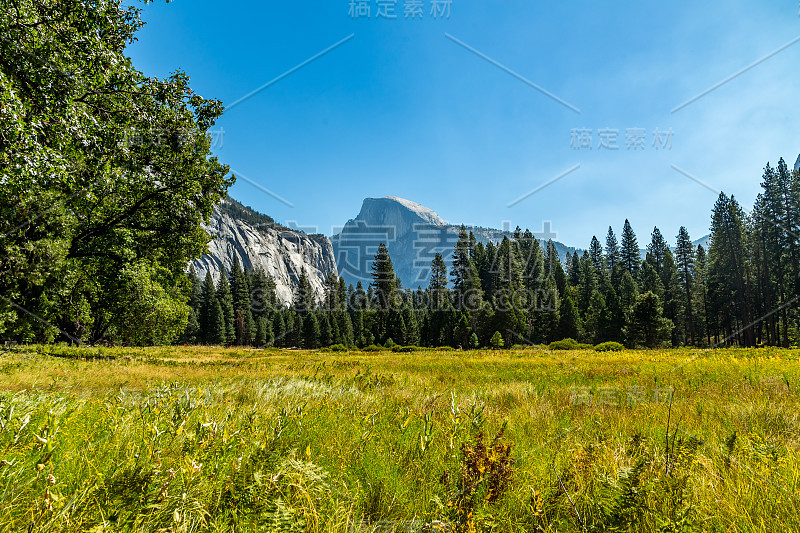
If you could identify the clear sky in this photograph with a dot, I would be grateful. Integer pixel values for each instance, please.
(468, 114)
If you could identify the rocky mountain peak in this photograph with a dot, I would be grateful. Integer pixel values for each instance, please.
(397, 213)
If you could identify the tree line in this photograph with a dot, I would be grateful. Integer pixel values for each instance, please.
(741, 291)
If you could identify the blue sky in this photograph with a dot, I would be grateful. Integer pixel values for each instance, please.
(402, 109)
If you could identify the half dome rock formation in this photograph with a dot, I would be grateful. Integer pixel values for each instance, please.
(258, 241)
(413, 234)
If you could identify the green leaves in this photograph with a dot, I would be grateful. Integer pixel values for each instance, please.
(106, 178)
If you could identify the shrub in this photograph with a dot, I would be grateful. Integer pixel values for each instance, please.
(338, 348)
(390, 343)
(609, 347)
(371, 348)
(564, 344)
(404, 349)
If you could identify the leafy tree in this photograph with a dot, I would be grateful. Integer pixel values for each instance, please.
(107, 178)
(497, 341)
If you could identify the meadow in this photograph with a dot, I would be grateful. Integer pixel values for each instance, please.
(227, 439)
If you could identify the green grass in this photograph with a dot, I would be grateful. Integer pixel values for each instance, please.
(194, 439)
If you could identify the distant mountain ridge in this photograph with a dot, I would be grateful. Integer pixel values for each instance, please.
(413, 235)
(412, 232)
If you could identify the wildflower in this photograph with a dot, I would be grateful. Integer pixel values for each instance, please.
(171, 473)
(196, 467)
(51, 479)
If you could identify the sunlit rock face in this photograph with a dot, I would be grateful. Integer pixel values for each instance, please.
(282, 253)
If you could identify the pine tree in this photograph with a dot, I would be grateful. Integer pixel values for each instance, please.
(554, 268)
(629, 254)
(509, 316)
(486, 272)
(191, 333)
(218, 332)
(596, 255)
(279, 329)
(311, 331)
(612, 318)
(438, 283)
(467, 289)
(673, 308)
(587, 283)
(569, 324)
(684, 256)
(263, 298)
(304, 301)
(240, 293)
(462, 331)
(208, 301)
(612, 255)
(648, 326)
(592, 322)
(727, 271)
(384, 287)
(628, 295)
(262, 336)
(702, 291)
(326, 337)
(226, 302)
(411, 335)
(573, 269)
(651, 281)
(657, 249)
(384, 282)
